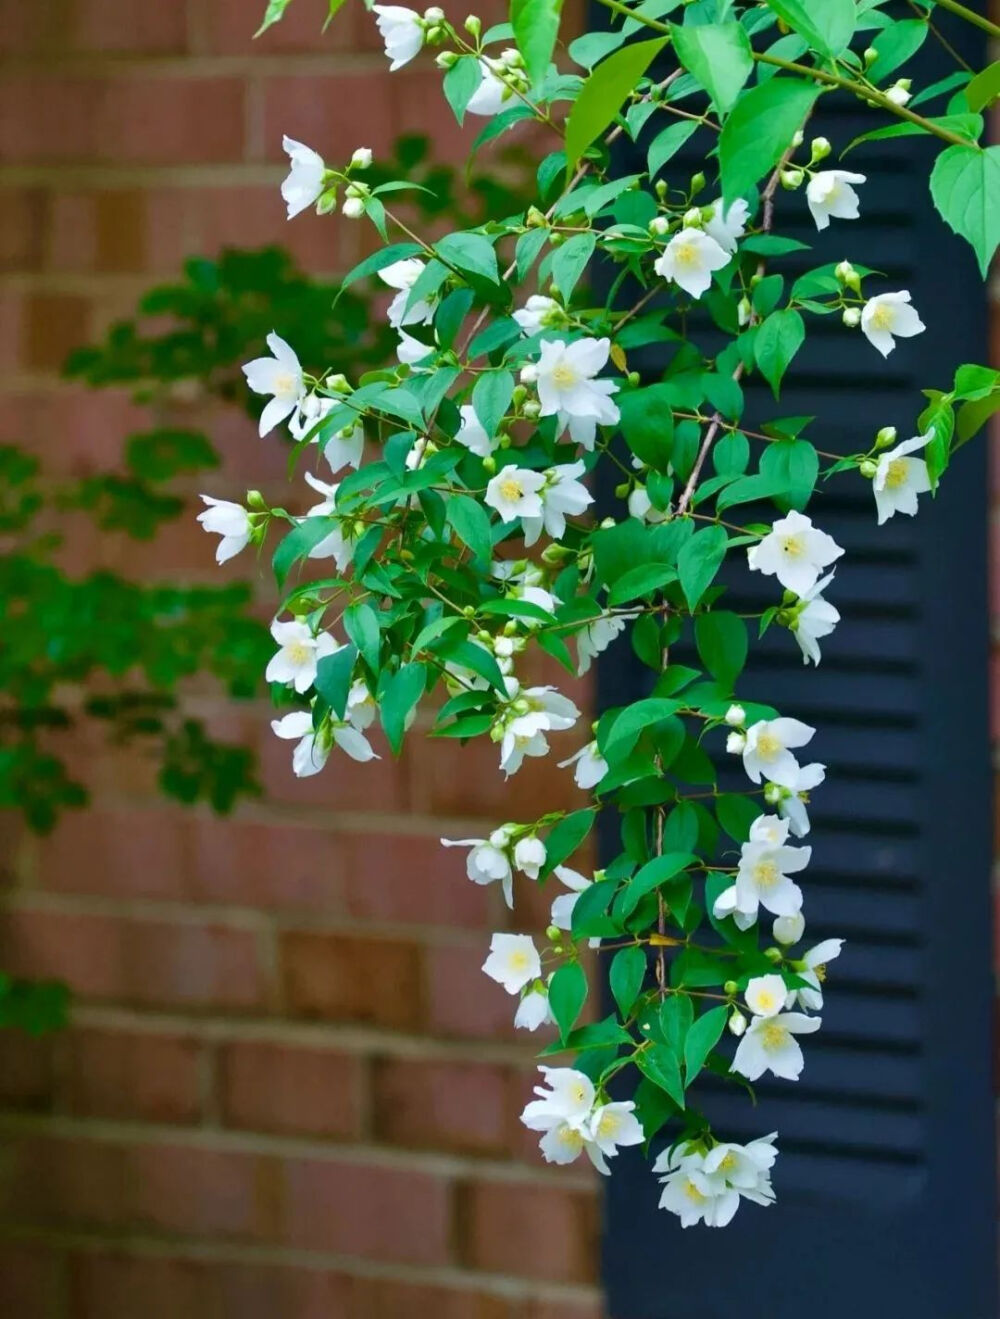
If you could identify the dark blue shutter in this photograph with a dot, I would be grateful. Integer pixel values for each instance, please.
(886, 1177)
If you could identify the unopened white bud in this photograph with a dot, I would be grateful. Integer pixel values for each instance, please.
(773, 794)
(353, 208)
(528, 374)
(820, 148)
(737, 1023)
(868, 469)
(789, 929)
(843, 270)
(692, 218)
(362, 158)
(531, 409)
(885, 437)
(736, 716)
(851, 317)
(899, 94)
(446, 59)
(791, 178)
(473, 24)
(659, 225)
(434, 15)
(798, 138)
(743, 312)
(735, 744)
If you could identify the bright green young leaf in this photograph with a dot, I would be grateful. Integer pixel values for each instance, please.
(628, 970)
(718, 55)
(651, 876)
(828, 25)
(699, 561)
(633, 721)
(461, 83)
(736, 814)
(362, 626)
(471, 524)
(760, 130)
(400, 694)
(777, 341)
(721, 639)
(647, 424)
(567, 995)
(965, 186)
(536, 29)
(603, 94)
(703, 1036)
(896, 44)
(333, 678)
(662, 1067)
(273, 14)
(565, 838)
(666, 145)
(569, 261)
(984, 88)
(297, 544)
(641, 581)
(471, 253)
(793, 465)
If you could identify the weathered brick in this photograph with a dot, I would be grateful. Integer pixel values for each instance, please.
(54, 324)
(26, 1071)
(132, 960)
(122, 1074)
(460, 999)
(31, 1283)
(22, 228)
(334, 114)
(460, 1105)
(343, 978)
(229, 30)
(531, 1231)
(121, 26)
(283, 1088)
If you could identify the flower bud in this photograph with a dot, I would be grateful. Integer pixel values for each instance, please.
(621, 491)
(791, 179)
(606, 523)
(446, 59)
(736, 716)
(773, 794)
(789, 929)
(519, 395)
(434, 15)
(730, 988)
(327, 202)
(773, 954)
(743, 312)
(659, 225)
(353, 208)
(535, 219)
(885, 437)
(555, 555)
(435, 35)
(556, 239)
(737, 1023)
(489, 464)
(661, 189)
(256, 500)
(531, 409)
(899, 94)
(528, 374)
(868, 469)
(692, 218)
(735, 744)
(634, 379)
(553, 933)
(851, 317)
(698, 182)
(798, 138)
(504, 441)
(870, 55)
(820, 149)
(473, 24)
(362, 158)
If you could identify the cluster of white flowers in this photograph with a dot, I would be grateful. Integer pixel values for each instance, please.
(705, 1185)
(574, 1121)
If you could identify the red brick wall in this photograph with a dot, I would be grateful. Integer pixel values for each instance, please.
(288, 1090)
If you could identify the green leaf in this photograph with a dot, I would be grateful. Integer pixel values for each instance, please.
(273, 14)
(334, 8)
(736, 814)
(984, 88)
(628, 970)
(567, 995)
(721, 639)
(895, 45)
(470, 253)
(776, 342)
(828, 25)
(461, 83)
(760, 130)
(702, 1038)
(297, 544)
(965, 125)
(565, 838)
(651, 876)
(665, 146)
(640, 581)
(385, 256)
(333, 678)
(491, 398)
(633, 721)
(471, 524)
(794, 467)
(536, 29)
(400, 694)
(699, 561)
(479, 660)
(647, 423)
(718, 55)
(569, 261)
(965, 186)
(676, 1016)
(611, 83)
(362, 625)
(973, 416)
(589, 919)
(662, 1067)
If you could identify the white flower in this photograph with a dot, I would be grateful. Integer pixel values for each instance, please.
(346, 448)
(281, 377)
(726, 229)
(565, 1113)
(533, 1011)
(889, 316)
(336, 545)
(829, 193)
(795, 552)
(562, 906)
(313, 750)
(816, 620)
(488, 862)
(596, 637)
(690, 1193)
(401, 31)
(898, 94)
(736, 743)
(765, 995)
(410, 351)
(788, 929)
(515, 493)
(770, 1046)
(613, 1126)
(310, 411)
(689, 259)
(361, 708)
(562, 496)
(305, 183)
(745, 1168)
(792, 799)
(640, 506)
(899, 479)
(472, 434)
(539, 313)
(531, 712)
(513, 961)
(529, 855)
(767, 753)
(362, 158)
(300, 652)
(228, 520)
(569, 1097)
(493, 94)
(402, 275)
(591, 766)
(567, 387)
(762, 876)
(813, 970)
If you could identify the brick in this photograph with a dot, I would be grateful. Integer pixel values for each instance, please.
(229, 30)
(530, 1231)
(342, 978)
(121, 120)
(22, 228)
(123, 27)
(132, 960)
(121, 1074)
(461, 1001)
(275, 1087)
(334, 115)
(373, 1298)
(54, 324)
(396, 877)
(461, 1106)
(30, 1282)
(26, 1071)
(254, 217)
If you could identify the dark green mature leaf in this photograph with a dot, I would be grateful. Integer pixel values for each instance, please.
(777, 341)
(471, 523)
(794, 466)
(629, 725)
(828, 25)
(965, 186)
(297, 544)
(491, 398)
(470, 253)
(598, 104)
(361, 623)
(718, 55)
(461, 83)
(721, 639)
(565, 838)
(536, 29)
(661, 1066)
(567, 995)
(676, 1016)
(736, 814)
(666, 145)
(702, 1038)
(649, 878)
(698, 562)
(333, 678)
(628, 970)
(647, 423)
(400, 694)
(760, 130)
(569, 261)
(896, 44)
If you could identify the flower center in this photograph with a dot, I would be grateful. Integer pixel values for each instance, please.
(608, 1125)
(571, 1138)
(882, 317)
(820, 973)
(896, 473)
(298, 652)
(728, 1163)
(578, 1094)
(766, 1001)
(765, 874)
(511, 490)
(563, 376)
(285, 384)
(768, 746)
(792, 546)
(773, 1036)
(692, 1193)
(519, 961)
